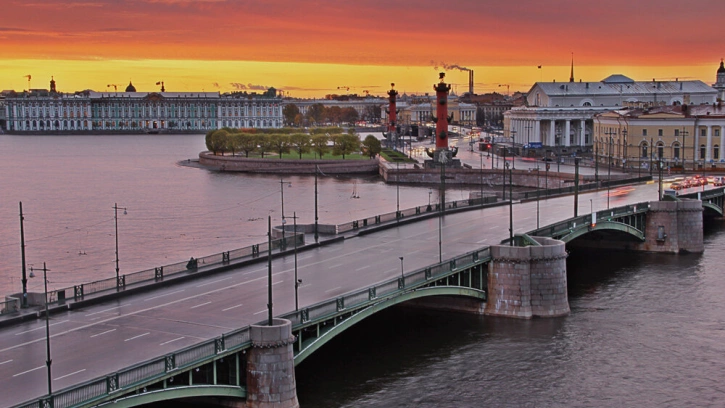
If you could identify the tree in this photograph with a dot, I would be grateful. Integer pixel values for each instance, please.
(319, 144)
(207, 140)
(372, 113)
(279, 143)
(345, 144)
(315, 113)
(247, 143)
(301, 142)
(349, 115)
(219, 141)
(234, 142)
(264, 144)
(290, 112)
(371, 146)
(333, 114)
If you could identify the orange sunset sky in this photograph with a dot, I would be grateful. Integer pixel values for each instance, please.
(310, 48)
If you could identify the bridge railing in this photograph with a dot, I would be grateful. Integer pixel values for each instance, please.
(407, 212)
(526, 195)
(9, 305)
(159, 273)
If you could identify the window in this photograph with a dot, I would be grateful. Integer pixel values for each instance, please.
(677, 132)
(716, 152)
(644, 149)
(703, 132)
(660, 132)
(676, 151)
(660, 150)
(644, 132)
(717, 132)
(702, 151)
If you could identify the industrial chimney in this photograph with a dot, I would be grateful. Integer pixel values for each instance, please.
(470, 82)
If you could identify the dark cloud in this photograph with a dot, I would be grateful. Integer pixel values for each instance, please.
(252, 87)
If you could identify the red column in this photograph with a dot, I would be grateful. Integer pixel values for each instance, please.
(442, 112)
(392, 114)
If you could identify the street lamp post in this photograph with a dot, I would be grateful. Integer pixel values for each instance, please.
(397, 191)
(481, 180)
(316, 234)
(430, 191)
(22, 259)
(538, 174)
(283, 245)
(297, 281)
(511, 205)
(115, 218)
(513, 149)
(576, 186)
(609, 170)
(48, 360)
(269, 271)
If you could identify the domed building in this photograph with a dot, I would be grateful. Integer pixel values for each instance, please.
(130, 87)
(720, 84)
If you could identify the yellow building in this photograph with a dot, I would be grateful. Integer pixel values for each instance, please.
(640, 135)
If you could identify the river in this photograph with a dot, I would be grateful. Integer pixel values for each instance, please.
(644, 330)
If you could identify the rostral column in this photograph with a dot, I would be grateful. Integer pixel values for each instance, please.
(392, 116)
(442, 112)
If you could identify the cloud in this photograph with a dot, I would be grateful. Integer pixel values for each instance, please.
(251, 87)
(215, 84)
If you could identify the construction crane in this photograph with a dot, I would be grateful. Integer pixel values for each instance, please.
(28, 76)
(162, 86)
(346, 88)
(115, 87)
(507, 88)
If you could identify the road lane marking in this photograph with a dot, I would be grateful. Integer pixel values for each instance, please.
(103, 311)
(99, 334)
(277, 282)
(5, 362)
(364, 267)
(211, 283)
(68, 375)
(134, 313)
(254, 270)
(31, 370)
(334, 266)
(261, 311)
(200, 305)
(165, 294)
(390, 271)
(140, 335)
(230, 308)
(333, 289)
(171, 341)
(39, 328)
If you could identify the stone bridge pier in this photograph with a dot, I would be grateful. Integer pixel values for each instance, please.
(271, 367)
(528, 281)
(674, 227)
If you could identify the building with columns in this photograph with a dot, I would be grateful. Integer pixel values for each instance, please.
(682, 136)
(559, 116)
(49, 111)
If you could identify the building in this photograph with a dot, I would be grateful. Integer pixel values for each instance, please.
(366, 107)
(638, 136)
(41, 111)
(559, 116)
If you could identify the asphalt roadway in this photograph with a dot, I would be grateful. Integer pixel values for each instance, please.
(90, 342)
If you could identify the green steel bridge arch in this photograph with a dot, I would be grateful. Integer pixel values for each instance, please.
(604, 226)
(313, 345)
(169, 394)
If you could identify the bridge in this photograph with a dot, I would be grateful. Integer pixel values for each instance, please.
(257, 361)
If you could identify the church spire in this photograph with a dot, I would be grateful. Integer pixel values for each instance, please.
(571, 76)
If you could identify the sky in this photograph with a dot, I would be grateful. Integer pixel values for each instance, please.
(314, 48)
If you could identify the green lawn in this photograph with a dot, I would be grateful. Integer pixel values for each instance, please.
(396, 156)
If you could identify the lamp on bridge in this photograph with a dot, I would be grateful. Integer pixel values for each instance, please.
(48, 360)
(283, 245)
(115, 218)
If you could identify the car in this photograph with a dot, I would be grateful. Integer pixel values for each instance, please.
(676, 185)
(547, 159)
